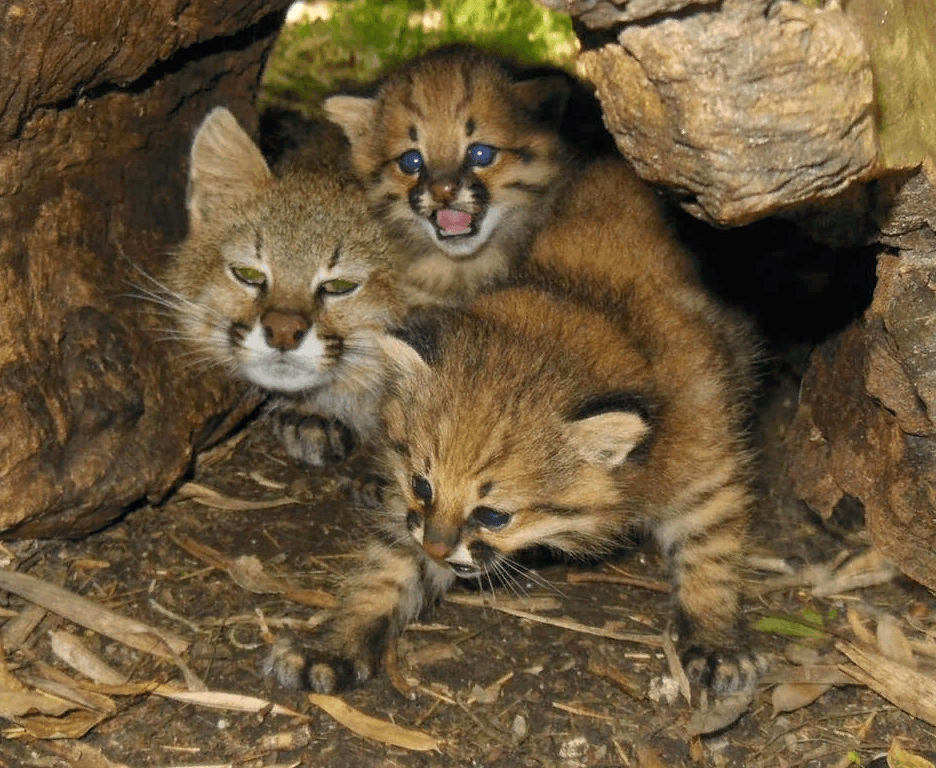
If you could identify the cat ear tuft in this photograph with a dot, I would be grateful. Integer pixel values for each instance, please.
(354, 114)
(225, 165)
(544, 98)
(608, 430)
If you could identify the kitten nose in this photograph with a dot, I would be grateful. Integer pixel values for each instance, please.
(444, 190)
(437, 549)
(283, 330)
(439, 540)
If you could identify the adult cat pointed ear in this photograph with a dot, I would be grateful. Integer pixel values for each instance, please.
(224, 165)
(354, 114)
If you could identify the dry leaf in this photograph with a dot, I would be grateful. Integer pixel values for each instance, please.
(209, 497)
(76, 654)
(892, 642)
(232, 702)
(624, 681)
(819, 674)
(247, 571)
(647, 758)
(17, 630)
(68, 690)
(72, 725)
(789, 697)
(675, 667)
(19, 703)
(906, 688)
(897, 757)
(490, 693)
(7, 680)
(372, 728)
(726, 710)
(433, 653)
(91, 615)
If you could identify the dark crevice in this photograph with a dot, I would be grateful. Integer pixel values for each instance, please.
(268, 26)
(594, 38)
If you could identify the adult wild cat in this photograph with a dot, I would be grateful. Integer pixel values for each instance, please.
(285, 281)
(461, 156)
(603, 391)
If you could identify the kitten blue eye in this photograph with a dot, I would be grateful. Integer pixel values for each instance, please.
(481, 155)
(421, 488)
(489, 517)
(410, 162)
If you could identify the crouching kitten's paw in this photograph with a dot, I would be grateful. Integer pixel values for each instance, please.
(723, 671)
(312, 439)
(308, 670)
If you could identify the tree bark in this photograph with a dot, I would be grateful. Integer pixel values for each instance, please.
(97, 107)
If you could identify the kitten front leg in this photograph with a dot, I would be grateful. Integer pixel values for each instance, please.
(391, 588)
(705, 550)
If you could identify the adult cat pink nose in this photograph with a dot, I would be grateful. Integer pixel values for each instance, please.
(283, 330)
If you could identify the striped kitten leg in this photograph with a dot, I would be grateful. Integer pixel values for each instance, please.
(392, 587)
(705, 547)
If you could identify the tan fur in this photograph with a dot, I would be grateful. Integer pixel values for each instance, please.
(603, 391)
(441, 104)
(300, 231)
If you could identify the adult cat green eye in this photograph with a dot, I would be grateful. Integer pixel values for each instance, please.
(249, 275)
(338, 287)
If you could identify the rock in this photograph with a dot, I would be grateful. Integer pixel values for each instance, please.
(744, 108)
(99, 412)
(865, 430)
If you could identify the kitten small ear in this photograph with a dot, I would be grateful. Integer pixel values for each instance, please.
(544, 98)
(607, 431)
(224, 166)
(415, 345)
(354, 114)
(403, 359)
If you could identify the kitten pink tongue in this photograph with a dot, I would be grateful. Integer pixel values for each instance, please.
(453, 222)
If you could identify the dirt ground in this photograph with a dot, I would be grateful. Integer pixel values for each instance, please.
(495, 688)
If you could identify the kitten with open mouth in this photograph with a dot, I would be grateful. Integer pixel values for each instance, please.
(452, 223)
(461, 155)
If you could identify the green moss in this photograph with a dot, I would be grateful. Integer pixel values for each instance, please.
(901, 37)
(362, 38)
